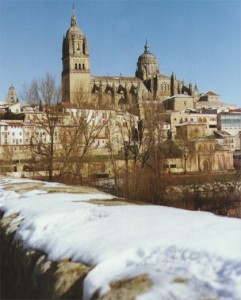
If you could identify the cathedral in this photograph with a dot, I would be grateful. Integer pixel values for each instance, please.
(115, 92)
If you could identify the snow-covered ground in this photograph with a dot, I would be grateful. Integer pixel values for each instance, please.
(187, 255)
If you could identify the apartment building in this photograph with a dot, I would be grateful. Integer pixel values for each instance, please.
(229, 123)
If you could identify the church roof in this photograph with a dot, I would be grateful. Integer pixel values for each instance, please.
(210, 93)
(178, 96)
(147, 56)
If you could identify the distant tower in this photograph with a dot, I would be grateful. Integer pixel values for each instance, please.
(196, 93)
(147, 65)
(190, 89)
(12, 95)
(76, 65)
(174, 87)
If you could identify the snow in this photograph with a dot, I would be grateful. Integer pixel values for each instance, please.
(186, 255)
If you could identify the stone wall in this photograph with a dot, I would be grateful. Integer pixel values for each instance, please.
(28, 274)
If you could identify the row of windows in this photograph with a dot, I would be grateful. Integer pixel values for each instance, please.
(27, 133)
(200, 120)
(79, 66)
(124, 124)
(14, 141)
(93, 115)
(13, 133)
(6, 127)
(231, 121)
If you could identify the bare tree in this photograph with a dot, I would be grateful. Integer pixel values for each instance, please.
(45, 95)
(113, 146)
(187, 148)
(77, 138)
(7, 155)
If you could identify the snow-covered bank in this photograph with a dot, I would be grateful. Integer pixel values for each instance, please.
(186, 255)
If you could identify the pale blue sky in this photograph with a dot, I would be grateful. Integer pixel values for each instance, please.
(199, 40)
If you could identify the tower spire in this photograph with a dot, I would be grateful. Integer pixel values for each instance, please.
(146, 47)
(73, 10)
(73, 18)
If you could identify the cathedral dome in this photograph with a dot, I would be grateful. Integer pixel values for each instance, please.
(147, 56)
(147, 65)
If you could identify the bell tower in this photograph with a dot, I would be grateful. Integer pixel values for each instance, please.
(75, 65)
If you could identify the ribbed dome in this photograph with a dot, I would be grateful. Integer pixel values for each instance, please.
(147, 65)
(147, 56)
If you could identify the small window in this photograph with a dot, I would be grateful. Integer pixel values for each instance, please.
(76, 67)
(80, 66)
(83, 67)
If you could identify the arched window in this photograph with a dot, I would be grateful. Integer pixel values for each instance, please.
(80, 66)
(83, 47)
(83, 67)
(76, 67)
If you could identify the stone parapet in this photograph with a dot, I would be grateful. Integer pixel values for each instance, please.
(28, 274)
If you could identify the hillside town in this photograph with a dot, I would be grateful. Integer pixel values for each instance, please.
(98, 124)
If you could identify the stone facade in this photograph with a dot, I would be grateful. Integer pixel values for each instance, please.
(78, 86)
(190, 131)
(179, 103)
(180, 117)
